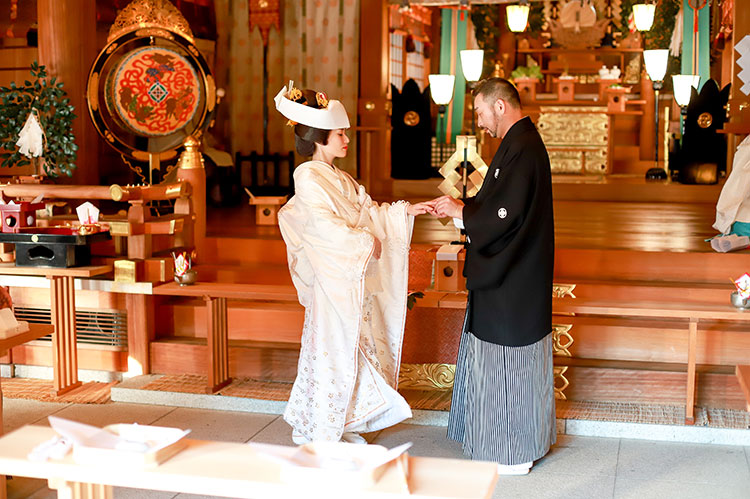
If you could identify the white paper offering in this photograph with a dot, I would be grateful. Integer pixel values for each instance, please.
(88, 214)
(332, 464)
(121, 444)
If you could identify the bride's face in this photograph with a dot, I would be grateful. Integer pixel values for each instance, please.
(337, 144)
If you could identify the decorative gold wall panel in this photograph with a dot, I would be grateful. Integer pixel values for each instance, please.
(563, 290)
(427, 376)
(576, 137)
(561, 341)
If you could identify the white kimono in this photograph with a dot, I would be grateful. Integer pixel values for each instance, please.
(734, 200)
(355, 305)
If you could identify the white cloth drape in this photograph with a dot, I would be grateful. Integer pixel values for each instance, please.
(355, 305)
(734, 201)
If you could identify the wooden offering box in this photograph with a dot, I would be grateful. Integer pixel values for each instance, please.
(19, 215)
(58, 247)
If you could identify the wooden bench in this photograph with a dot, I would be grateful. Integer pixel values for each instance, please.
(691, 313)
(228, 469)
(215, 295)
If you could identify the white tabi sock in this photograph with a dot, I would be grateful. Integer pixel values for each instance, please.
(514, 469)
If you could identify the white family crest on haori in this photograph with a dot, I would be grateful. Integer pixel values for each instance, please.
(331, 116)
(31, 137)
(355, 304)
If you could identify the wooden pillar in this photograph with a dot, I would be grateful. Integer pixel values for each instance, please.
(140, 332)
(64, 348)
(218, 343)
(374, 106)
(194, 234)
(139, 244)
(690, 396)
(647, 121)
(67, 47)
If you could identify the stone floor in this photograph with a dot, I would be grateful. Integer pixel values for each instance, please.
(577, 467)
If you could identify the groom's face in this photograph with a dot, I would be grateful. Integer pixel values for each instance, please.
(487, 118)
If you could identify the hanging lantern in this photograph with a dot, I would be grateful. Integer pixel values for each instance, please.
(471, 64)
(643, 15)
(518, 17)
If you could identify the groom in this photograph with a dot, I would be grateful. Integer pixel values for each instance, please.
(503, 406)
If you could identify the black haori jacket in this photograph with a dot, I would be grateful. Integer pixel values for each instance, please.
(511, 250)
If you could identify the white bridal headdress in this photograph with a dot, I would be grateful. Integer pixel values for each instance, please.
(330, 116)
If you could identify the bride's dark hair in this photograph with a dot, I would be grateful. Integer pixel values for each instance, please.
(305, 136)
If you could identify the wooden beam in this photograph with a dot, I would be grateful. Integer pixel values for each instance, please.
(372, 108)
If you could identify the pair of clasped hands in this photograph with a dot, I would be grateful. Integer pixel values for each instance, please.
(444, 206)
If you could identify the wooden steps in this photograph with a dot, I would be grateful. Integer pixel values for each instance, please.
(639, 290)
(623, 265)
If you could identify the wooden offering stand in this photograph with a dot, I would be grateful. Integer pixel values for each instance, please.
(266, 208)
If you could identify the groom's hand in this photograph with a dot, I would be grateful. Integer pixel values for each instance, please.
(446, 206)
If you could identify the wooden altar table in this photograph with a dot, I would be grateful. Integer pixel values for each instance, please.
(35, 332)
(229, 469)
(63, 313)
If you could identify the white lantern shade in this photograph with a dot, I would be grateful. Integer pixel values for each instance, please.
(656, 63)
(441, 88)
(682, 85)
(643, 15)
(471, 64)
(518, 17)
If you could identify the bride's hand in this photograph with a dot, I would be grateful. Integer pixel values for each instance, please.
(418, 209)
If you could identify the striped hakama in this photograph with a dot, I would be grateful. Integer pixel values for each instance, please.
(503, 406)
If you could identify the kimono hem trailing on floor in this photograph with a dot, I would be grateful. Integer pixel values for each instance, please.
(355, 305)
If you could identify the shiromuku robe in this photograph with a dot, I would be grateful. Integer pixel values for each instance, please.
(734, 201)
(355, 304)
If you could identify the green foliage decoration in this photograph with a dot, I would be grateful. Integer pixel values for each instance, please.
(55, 116)
(536, 18)
(527, 72)
(485, 19)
